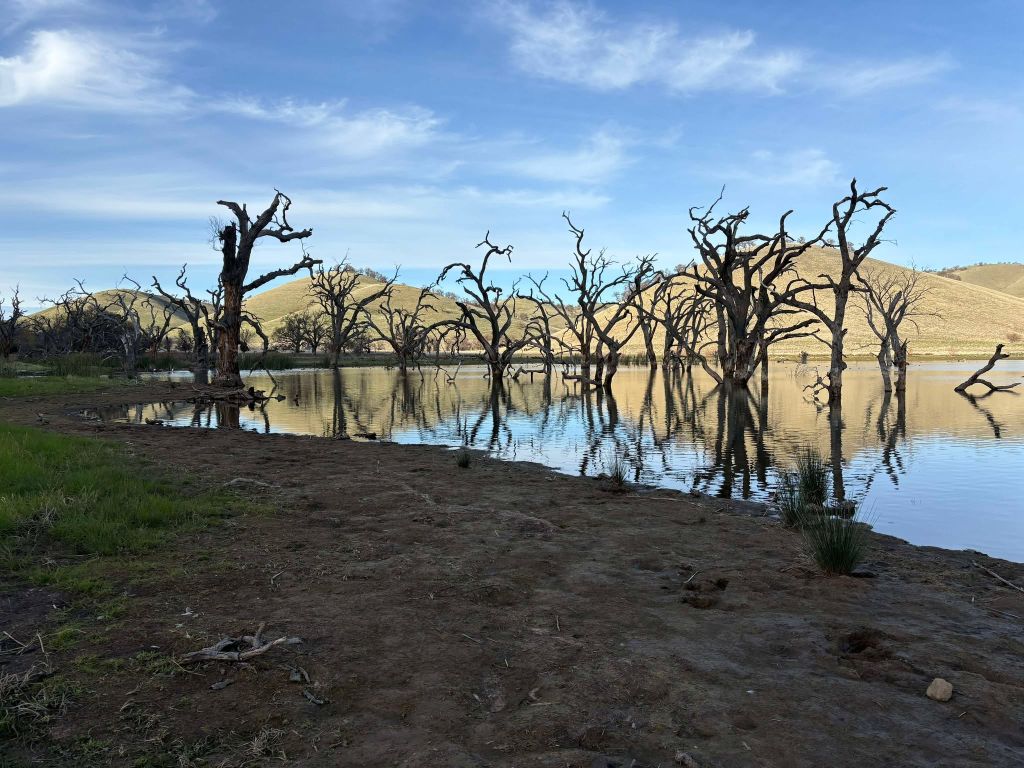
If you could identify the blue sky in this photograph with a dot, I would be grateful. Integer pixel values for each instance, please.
(403, 131)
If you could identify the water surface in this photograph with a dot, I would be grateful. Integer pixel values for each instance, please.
(932, 467)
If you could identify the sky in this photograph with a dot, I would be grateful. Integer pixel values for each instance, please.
(404, 131)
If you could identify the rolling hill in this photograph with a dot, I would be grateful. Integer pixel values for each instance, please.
(959, 317)
(1005, 278)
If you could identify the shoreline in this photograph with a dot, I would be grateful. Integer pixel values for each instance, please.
(507, 614)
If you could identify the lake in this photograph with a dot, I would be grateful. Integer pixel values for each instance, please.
(932, 467)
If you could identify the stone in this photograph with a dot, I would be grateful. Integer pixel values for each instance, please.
(940, 690)
(686, 760)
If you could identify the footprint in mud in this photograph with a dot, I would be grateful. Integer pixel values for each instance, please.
(706, 593)
(864, 643)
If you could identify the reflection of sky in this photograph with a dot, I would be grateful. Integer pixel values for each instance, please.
(943, 480)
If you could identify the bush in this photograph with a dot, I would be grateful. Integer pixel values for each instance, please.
(463, 458)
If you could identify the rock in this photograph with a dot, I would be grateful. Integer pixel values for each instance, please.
(940, 690)
(684, 759)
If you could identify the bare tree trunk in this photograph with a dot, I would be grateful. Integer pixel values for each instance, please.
(228, 372)
(835, 426)
(901, 368)
(836, 362)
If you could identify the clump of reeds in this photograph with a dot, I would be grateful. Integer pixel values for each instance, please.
(832, 529)
(618, 472)
(804, 490)
(834, 542)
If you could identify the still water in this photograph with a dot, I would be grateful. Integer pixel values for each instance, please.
(932, 467)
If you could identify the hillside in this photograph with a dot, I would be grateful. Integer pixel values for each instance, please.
(959, 317)
(158, 303)
(1005, 278)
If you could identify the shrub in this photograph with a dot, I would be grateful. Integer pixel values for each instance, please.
(463, 458)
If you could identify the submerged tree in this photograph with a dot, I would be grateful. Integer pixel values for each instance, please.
(738, 275)
(336, 291)
(804, 294)
(237, 242)
(405, 329)
(487, 315)
(891, 297)
(601, 287)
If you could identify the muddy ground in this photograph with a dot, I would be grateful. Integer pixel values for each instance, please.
(504, 615)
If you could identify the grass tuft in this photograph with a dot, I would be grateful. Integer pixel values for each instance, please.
(836, 543)
(463, 458)
(618, 472)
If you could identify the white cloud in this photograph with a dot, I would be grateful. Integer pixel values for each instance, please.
(89, 71)
(862, 78)
(798, 168)
(579, 44)
(19, 13)
(601, 157)
(356, 135)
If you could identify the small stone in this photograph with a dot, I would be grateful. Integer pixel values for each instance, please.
(684, 759)
(940, 690)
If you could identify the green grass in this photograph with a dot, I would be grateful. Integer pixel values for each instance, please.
(282, 361)
(38, 386)
(86, 497)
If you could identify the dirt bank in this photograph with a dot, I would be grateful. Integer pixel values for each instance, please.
(503, 615)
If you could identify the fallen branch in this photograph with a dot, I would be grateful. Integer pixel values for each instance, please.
(997, 577)
(975, 377)
(238, 648)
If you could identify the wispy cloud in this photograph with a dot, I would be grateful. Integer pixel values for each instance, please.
(600, 157)
(20, 13)
(579, 44)
(797, 168)
(344, 133)
(863, 77)
(89, 70)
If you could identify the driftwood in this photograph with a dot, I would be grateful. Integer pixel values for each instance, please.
(234, 396)
(996, 576)
(975, 377)
(238, 648)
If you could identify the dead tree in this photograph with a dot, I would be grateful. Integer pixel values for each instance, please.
(975, 378)
(578, 335)
(405, 330)
(10, 325)
(237, 242)
(336, 291)
(738, 275)
(803, 294)
(890, 298)
(642, 299)
(538, 329)
(595, 281)
(197, 312)
(486, 315)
